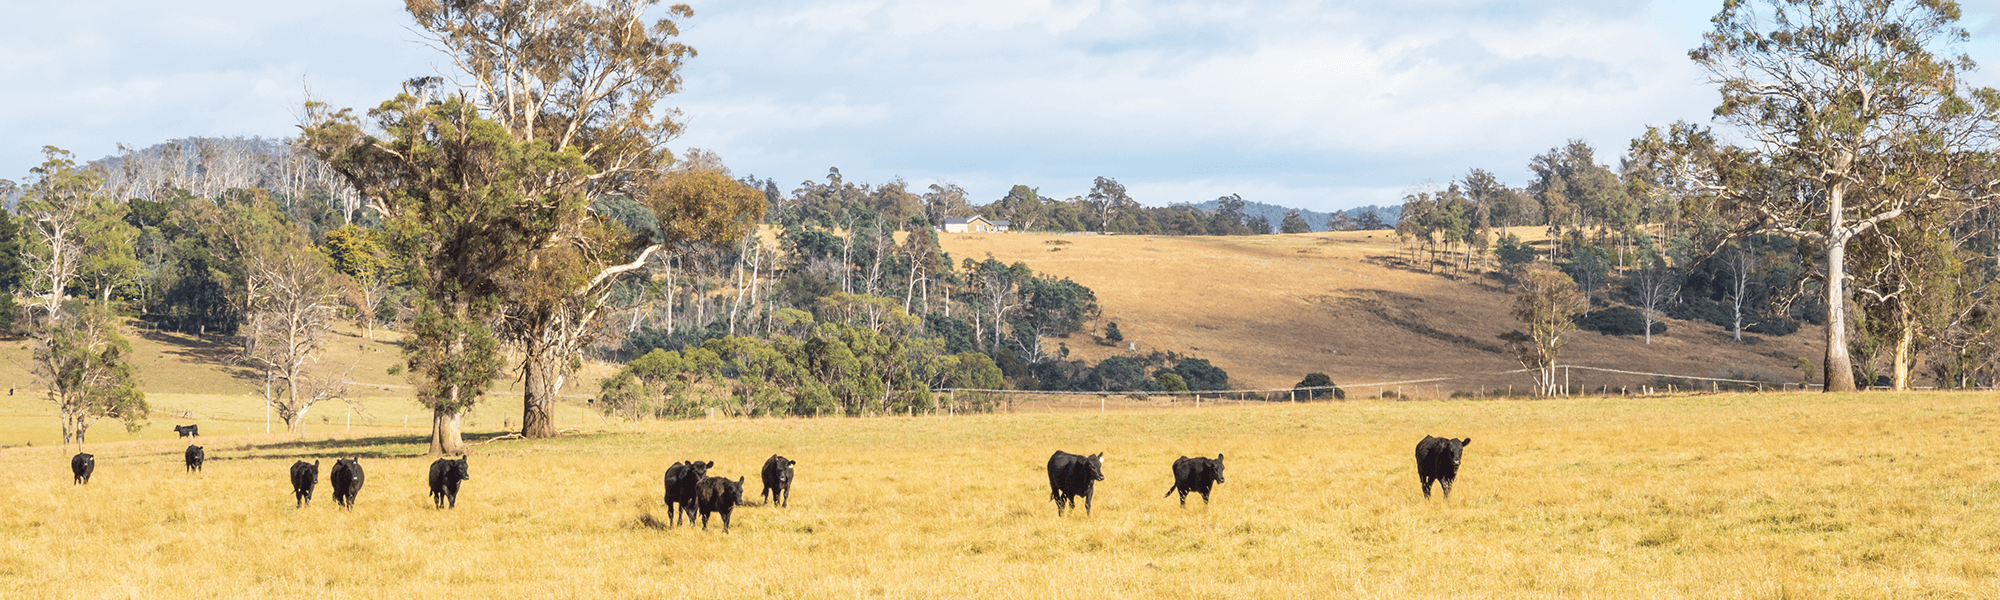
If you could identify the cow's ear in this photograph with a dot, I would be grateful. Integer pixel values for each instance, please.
(1218, 456)
(1467, 442)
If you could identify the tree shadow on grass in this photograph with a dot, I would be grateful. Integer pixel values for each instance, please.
(386, 446)
(215, 351)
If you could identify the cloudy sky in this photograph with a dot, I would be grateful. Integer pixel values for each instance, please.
(1318, 105)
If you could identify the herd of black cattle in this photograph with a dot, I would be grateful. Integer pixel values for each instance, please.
(690, 491)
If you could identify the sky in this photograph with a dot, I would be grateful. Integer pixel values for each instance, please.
(1319, 105)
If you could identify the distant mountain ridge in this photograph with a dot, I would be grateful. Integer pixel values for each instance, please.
(1276, 214)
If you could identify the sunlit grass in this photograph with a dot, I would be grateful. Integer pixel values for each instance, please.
(1804, 496)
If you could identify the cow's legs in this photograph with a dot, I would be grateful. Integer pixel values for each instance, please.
(1086, 505)
(1427, 487)
(1446, 483)
(1204, 497)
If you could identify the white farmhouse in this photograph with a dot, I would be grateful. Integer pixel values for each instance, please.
(974, 224)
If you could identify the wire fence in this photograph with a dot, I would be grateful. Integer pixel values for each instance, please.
(1462, 385)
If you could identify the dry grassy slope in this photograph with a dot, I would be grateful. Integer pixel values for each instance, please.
(189, 380)
(1270, 309)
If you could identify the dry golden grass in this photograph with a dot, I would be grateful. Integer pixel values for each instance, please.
(1752, 496)
(195, 381)
(1271, 308)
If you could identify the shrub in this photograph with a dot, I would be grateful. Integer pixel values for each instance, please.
(1111, 333)
(1200, 375)
(1773, 326)
(1320, 380)
(1618, 321)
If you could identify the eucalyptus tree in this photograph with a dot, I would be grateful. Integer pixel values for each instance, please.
(1547, 305)
(1854, 114)
(59, 205)
(488, 189)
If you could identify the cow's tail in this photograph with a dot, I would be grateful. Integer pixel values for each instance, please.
(1170, 489)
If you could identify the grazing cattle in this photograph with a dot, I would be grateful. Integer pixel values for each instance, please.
(194, 457)
(1198, 474)
(778, 479)
(1072, 475)
(188, 430)
(683, 483)
(445, 476)
(719, 495)
(1437, 460)
(81, 466)
(346, 479)
(305, 476)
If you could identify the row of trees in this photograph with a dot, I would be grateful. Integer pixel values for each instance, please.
(837, 203)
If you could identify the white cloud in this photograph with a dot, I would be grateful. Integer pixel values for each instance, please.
(1295, 100)
(1314, 104)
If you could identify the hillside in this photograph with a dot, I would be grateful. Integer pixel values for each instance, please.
(1269, 309)
(194, 381)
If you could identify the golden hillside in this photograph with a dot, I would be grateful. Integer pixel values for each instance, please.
(1269, 309)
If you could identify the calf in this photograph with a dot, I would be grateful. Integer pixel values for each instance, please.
(719, 495)
(1437, 460)
(445, 476)
(81, 466)
(778, 479)
(1198, 474)
(683, 483)
(305, 476)
(1072, 475)
(194, 457)
(188, 430)
(346, 479)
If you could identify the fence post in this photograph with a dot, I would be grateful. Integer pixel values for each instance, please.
(1100, 405)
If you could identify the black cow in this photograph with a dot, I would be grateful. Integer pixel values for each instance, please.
(188, 430)
(445, 476)
(683, 487)
(194, 457)
(346, 479)
(1198, 474)
(778, 479)
(719, 495)
(305, 476)
(1437, 460)
(81, 466)
(1072, 475)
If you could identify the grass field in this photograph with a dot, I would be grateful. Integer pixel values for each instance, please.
(190, 380)
(1735, 496)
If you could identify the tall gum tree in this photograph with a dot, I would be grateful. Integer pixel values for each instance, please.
(579, 85)
(1851, 118)
(459, 198)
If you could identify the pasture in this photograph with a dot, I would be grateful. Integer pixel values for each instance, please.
(1734, 496)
